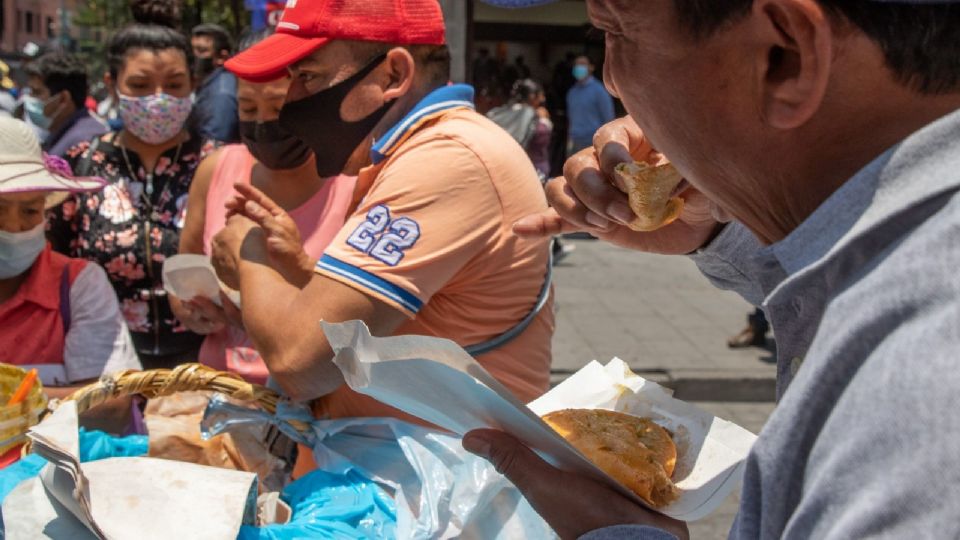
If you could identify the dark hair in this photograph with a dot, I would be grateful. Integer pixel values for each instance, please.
(252, 37)
(149, 37)
(433, 59)
(524, 89)
(921, 43)
(61, 71)
(219, 35)
(162, 12)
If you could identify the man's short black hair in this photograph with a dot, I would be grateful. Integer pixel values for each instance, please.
(61, 71)
(921, 43)
(219, 35)
(433, 59)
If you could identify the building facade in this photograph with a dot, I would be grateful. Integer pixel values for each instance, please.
(32, 21)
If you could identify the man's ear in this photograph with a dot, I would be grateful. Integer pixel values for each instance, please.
(401, 70)
(794, 60)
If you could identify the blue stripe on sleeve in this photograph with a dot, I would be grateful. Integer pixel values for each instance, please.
(397, 294)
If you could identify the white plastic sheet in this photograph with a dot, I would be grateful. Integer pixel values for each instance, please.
(434, 379)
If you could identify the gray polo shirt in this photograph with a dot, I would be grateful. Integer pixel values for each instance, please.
(864, 298)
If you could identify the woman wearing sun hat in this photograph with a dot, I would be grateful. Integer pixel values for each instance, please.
(57, 314)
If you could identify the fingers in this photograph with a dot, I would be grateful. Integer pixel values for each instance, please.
(543, 225)
(207, 309)
(594, 205)
(231, 312)
(252, 194)
(512, 459)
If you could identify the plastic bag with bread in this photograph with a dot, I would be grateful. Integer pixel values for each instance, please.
(650, 186)
(635, 451)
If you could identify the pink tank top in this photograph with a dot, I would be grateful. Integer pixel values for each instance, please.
(319, 220)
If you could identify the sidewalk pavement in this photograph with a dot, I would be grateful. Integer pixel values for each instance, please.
(661, 316)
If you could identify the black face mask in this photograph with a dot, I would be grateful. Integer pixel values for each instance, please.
(316, 120)
(273, 146)
(203, 67)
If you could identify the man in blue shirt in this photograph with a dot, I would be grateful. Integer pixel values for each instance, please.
(215, 110)
(589, 105)
(56, 102)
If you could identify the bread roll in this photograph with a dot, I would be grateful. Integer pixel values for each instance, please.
(634, 451)
(650, 188)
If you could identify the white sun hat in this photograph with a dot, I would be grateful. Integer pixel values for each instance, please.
(24, 168)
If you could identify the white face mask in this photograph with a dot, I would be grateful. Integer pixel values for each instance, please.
(18, 251)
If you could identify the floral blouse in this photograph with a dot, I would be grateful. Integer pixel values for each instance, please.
(130, 232)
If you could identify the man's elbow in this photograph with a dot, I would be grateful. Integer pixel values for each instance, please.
(303, 379)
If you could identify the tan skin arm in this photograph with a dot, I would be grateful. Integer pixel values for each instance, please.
(297, 352)
(284, 301)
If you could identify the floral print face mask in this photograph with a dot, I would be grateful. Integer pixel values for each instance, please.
(156, 118)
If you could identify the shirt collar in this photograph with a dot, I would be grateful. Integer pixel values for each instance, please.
(436, 103)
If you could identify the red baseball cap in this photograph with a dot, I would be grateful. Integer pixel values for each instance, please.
(307, 25)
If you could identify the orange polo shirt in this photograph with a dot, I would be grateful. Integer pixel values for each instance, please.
(432, 236)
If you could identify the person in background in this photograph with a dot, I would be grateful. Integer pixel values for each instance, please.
(589, 106)
(755, 333)
(57, 101)
(8, 103)
(282, 167)
(215, 115)
(57, 314)
(134, 224)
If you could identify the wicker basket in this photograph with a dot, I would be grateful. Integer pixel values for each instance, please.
(183, 378)
(15, 420)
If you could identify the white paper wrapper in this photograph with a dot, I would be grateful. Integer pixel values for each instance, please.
(189, 276)
(436, 380)
(116, 498)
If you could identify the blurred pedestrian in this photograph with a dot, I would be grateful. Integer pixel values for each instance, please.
(527, 121)
(755, 333)
(134, 224)
(57, 101)
(281, 166)
(8, 103)
(589, 105)
(215, 113)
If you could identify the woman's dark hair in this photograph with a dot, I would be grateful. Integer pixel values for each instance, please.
(252, 37)
(162, 12)
(149, 37)
(524, 89)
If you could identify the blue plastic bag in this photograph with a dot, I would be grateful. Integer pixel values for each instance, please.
(329, 505)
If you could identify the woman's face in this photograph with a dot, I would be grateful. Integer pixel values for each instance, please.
(21, 212)
(261, 102)
(147, 72)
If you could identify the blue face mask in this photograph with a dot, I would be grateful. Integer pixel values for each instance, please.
(34, 106)
(581, 72)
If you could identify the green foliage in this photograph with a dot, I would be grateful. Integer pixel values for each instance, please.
(95, 20)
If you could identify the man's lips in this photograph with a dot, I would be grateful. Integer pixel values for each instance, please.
(681, 187)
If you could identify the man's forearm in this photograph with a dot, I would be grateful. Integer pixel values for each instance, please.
(284, 328)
